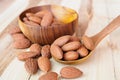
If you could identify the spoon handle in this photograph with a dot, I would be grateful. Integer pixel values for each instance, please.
(107, 30)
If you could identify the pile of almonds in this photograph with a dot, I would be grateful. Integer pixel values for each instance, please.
(42, 18)
(68, 48)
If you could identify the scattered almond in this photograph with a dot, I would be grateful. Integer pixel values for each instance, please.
(31, 66)
(70, 72)
(25, 55)
(49, 76)
(14, 30)
(18, 36)
(45, 51)
(22, 43)
(36, 48)
(74, 38)
(44, 64)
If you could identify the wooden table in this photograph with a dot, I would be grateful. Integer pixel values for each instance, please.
(104, 64)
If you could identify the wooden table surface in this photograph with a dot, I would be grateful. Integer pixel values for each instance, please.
(104, 64)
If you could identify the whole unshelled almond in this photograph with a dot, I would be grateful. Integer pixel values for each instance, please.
(14, 30)
(71, 55)
(82, 51)
(21, 43)
(49, 76)
(45, 51)
(44, 64)
(18, 36)
(47, 19)
(35, 19)
(62, 40)
(30, 23)
(70, 72)
(29, 14)
(36, 48)
(25, 55)
(71, 46)
(31, 66)
(56, 51)
(74, 38)
(41, 13)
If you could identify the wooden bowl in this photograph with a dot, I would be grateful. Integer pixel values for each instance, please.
(46, 35)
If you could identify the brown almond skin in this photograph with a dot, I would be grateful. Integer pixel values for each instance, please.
(71, 46)
(22, 43)
(31, 66)
(56, 51)
(70, 72)
(25, 55)
(36, 48)
(49, 76)
(44, 64)
(47, 19)
(71, 55)
(62, 40)
(18, 36)
(82, 51)
(41, 13)
(15, 30)
(29, 14)
(74, 38)
(35, 19)
(45, 51)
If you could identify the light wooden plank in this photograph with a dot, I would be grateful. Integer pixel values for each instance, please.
(15, 71)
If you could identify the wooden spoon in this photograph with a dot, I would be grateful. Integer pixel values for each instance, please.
(91, 42)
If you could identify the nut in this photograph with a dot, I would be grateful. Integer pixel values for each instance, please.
(49, 76)
(47, 19)
(44, 64)
(74, 38)
(25, 55)
(71, 55)
(56, 51)
(62, 40)
(18, 36)
(71, 46)
(36, 48)
(82, 51)
(14, 30)
(70, 72)
(29, 14)
(31, 66)
(22, 43)
(41, 13)
(35, 19)
(45, 51)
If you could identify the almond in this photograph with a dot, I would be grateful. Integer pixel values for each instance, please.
(25, 55)
(44, 64)
(62, 40)
(49, 76)
(31, 66)
(45, 51)
(47, 19)
(74, 38)
(29, 14)
(56, 52)
(71, 46)
(82, 51)
(41, 13)
(36, 48)
(70, 72)
(32, 24)
(14, 30)
(35, 19)
(71, 55)
(22, 43)
(18, 36)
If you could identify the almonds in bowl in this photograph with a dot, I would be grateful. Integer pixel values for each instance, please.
(43, 24)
